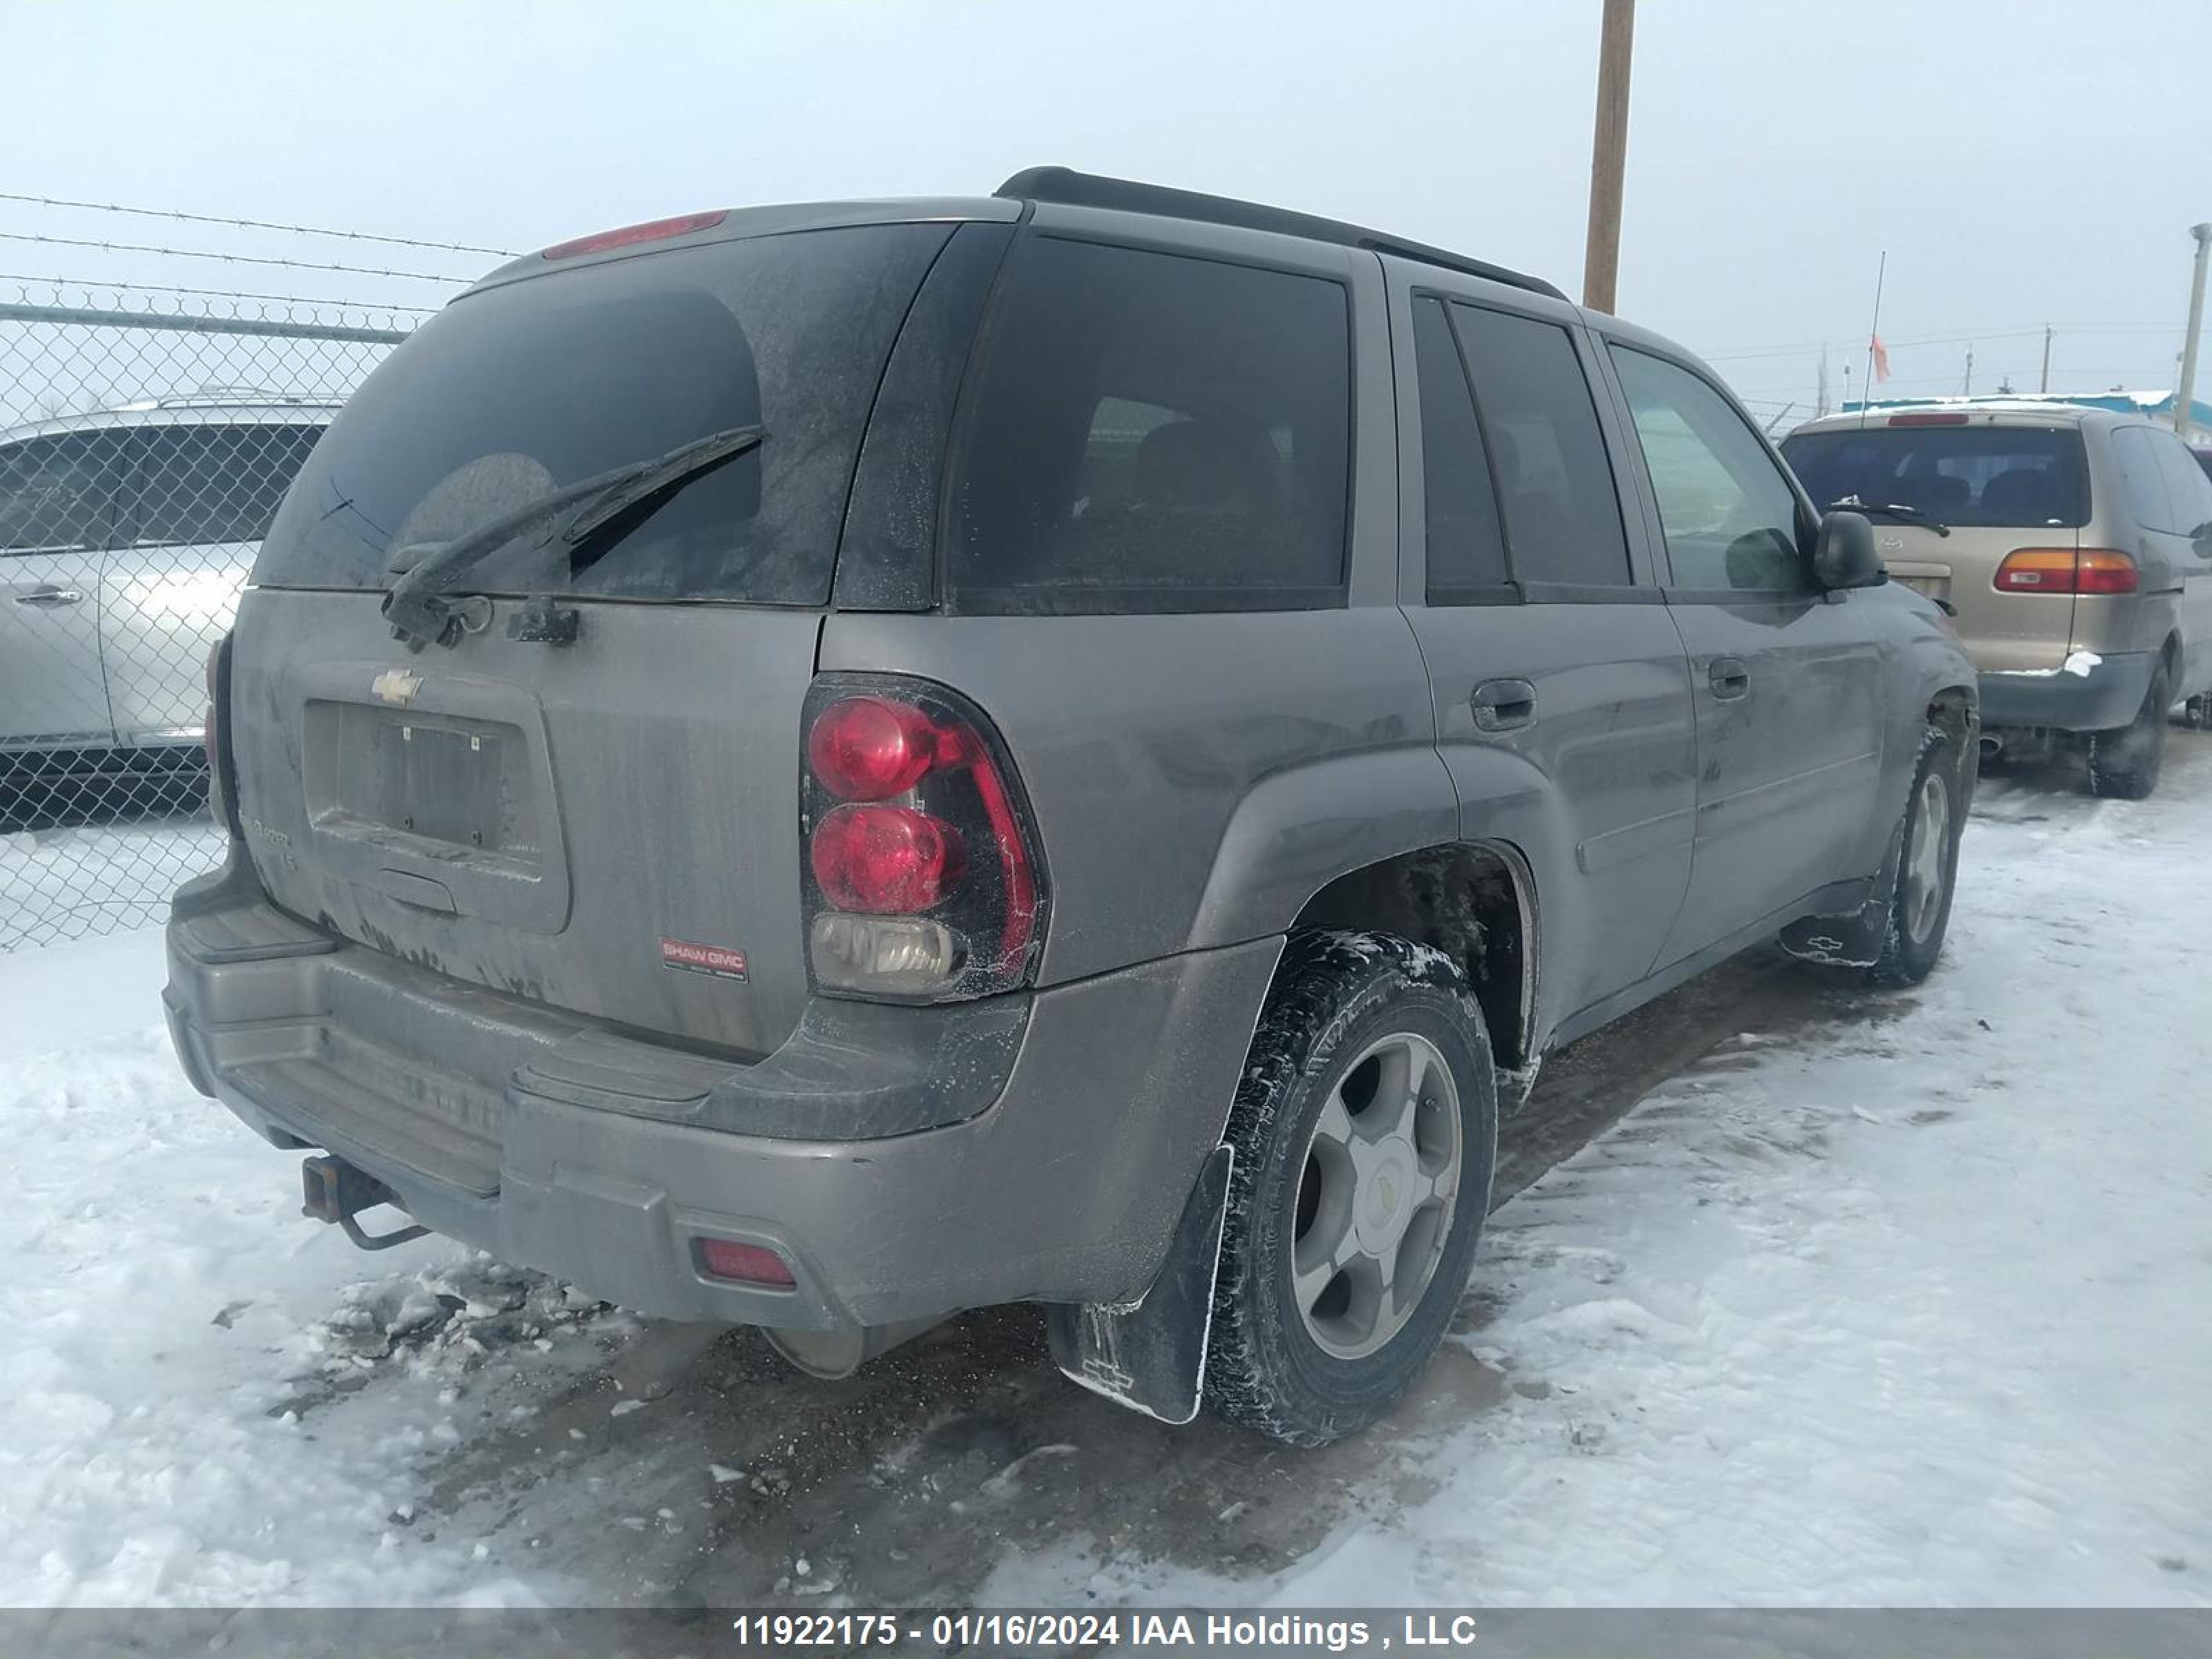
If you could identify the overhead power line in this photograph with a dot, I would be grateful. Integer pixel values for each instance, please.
(229, 258)
(1966, 336)
(252, 224)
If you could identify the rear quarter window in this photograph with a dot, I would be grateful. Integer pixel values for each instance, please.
(1153, 432)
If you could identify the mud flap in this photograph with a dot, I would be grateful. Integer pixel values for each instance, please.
(1150, 1354)
(1855, 939)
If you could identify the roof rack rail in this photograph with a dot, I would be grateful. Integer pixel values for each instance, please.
(1065, 185)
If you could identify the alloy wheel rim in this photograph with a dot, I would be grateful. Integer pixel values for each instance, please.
(1377, 1190)
(1923, 863)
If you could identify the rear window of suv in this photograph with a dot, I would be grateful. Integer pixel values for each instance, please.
(2015, 476)
(517, 390)
(1154, 432)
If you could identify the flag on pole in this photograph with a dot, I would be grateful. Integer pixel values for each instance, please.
(1880, 353)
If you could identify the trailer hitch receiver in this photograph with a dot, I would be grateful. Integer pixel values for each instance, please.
(336, 1192)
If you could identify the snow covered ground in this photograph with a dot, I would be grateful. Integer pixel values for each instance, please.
(83, 880)
(1909, 1307)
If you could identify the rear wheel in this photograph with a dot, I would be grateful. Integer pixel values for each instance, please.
(1927, 866)
(2124, 765)
(1365, 1132)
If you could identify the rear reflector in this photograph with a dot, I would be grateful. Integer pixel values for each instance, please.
(654, 230)
(2066, 570)
(1928, 420)
(749, 1264)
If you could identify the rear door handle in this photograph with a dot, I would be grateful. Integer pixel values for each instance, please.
(1504, 705)
(50, 596)
(1728, 677)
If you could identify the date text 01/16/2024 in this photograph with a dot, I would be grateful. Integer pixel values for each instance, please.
(1185, 1631)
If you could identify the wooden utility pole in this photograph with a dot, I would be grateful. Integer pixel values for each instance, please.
(1608, 155)
(2184, 394)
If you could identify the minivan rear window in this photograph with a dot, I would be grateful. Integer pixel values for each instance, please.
(2015, 476)
(513, 391)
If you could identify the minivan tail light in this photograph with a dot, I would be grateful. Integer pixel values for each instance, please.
(2104, 570)
(922, 877)
(653, 230)
(2066, 570)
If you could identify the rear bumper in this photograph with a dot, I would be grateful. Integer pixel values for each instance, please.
(907, 1162)
(2106, 697)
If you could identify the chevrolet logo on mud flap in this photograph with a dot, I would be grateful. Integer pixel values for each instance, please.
(396, 686)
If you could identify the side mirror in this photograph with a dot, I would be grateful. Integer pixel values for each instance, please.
(1843, 555)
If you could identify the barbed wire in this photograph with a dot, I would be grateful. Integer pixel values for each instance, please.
(252, 224)
(61, 284)
(230, 259)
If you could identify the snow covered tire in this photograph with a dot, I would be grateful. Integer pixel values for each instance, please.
(1344, 1003)
(2125, 764)
(1920, 914)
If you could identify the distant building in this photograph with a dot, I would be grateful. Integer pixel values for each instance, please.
(2159, 405)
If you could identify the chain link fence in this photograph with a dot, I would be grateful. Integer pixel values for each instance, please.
(144, 444)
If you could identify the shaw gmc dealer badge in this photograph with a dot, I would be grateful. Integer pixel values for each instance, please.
(713, 959)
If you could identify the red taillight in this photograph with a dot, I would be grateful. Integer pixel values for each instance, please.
(894, 861)
(2104, 570)
(2066, 570)
(654, 230)
(925, 881)
(749, 1264)
(871, 748)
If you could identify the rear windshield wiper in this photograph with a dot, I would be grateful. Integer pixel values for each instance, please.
(421, 605)
(1891, 510)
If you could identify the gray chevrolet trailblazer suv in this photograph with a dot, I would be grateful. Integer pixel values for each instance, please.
(818, 767)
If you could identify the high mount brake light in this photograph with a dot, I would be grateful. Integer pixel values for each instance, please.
(653, 230)
(2066, 570)
(922, 879)
(1928, 420)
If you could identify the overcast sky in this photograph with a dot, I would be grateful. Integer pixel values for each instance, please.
(2024, 162)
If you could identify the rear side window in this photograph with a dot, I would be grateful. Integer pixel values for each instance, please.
(2013, 477)
(1466, 548)
(1562, 510)
(2142, 481)
(58, 493)
(511, 392)
(2187, 492)
(1154, 432)
(192, 484)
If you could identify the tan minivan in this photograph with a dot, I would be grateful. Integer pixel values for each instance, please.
(2073, 548)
